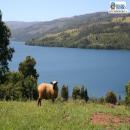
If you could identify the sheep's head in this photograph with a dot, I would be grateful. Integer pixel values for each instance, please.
(55, 87)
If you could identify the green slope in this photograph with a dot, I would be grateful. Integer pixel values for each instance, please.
(98, 30)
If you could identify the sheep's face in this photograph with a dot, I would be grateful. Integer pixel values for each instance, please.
(55, 87)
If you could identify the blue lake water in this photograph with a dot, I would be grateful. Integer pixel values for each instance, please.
(98, 70)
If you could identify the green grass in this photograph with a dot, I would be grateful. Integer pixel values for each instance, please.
(71, 115)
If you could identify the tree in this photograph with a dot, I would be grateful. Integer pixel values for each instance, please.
(6, 52)
(29, 90)
(127, 98)
(27, 67)
(17, 87)
(86, 97)
(64, 92)
(82, 94)
(111, 97)
(0, 15)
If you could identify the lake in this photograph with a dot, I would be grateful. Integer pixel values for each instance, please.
(98, 70)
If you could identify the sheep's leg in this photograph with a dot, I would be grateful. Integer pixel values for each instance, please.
(53, 100)
(39, 102)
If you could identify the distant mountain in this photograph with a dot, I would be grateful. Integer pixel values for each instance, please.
(96, 30)
(19, 28)
(18, 25)
(23, 31)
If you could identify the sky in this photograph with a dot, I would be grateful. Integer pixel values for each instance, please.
(46, 10)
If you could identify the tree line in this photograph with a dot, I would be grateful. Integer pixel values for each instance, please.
(80, 92)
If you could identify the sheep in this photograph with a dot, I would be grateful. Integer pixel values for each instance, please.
(47, 91)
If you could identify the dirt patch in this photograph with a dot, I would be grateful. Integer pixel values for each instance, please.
(109, 119)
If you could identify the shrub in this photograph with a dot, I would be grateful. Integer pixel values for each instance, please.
(76, 92)
(93, 99)
(101, 100)
(64, 92)
(111, 97)
(127, 98)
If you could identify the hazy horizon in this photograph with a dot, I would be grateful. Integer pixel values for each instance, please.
(57, 18)
(47, 10)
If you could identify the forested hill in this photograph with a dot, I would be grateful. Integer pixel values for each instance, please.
(96, 30)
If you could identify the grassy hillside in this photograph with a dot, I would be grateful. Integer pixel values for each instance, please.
(97, 30)
(71, 115)
(106, 32)
(22, 31)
